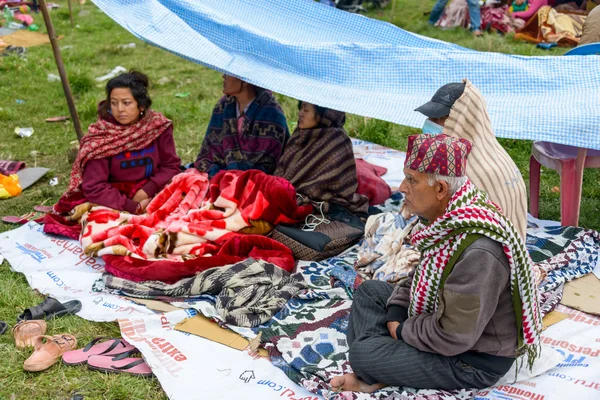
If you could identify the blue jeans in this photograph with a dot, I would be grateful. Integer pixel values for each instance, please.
(474, 13)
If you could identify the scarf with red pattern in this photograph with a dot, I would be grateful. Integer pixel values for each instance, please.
(471, 212)
(106, 139)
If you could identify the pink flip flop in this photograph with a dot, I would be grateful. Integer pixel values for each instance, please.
(111, 347)
(23, 219)
(120, 365)
(43, 209)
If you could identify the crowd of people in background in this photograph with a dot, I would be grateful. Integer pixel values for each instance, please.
(503, 16)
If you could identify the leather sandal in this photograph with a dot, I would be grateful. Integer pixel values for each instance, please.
(46, 354)
(25, 332)
(50, 308)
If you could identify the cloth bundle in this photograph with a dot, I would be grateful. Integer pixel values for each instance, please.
(383, 254)
(247, 294)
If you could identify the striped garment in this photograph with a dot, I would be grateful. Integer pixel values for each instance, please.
(320, 164)
(490, 167)
(247, 293)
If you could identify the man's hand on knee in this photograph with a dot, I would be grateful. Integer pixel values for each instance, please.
(392, 326)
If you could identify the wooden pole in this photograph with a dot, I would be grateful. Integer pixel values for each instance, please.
(61, 69)
(71, 15)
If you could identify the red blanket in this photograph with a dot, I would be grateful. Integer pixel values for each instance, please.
(233, 251)
(370, 183)
(191, 217)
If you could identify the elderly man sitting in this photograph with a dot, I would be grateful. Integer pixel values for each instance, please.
(471, 305)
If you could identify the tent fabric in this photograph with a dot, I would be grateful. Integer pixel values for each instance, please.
(363, 66)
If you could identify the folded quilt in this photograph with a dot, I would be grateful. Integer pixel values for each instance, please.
(247, 294)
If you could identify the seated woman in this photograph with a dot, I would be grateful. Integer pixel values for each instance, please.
(127, 156)
(247, 130)
(319, 161)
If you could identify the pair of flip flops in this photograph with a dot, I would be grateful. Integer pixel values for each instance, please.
(37, 216)
(50, 308)
(111, 356)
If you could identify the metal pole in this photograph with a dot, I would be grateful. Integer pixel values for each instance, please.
(393, 16)
(71, 15)
(61, 70)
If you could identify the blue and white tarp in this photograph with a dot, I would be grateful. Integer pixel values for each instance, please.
(348, 62)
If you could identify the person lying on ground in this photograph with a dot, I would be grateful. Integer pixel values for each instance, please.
(127, 155)
(474, 14)
(319, 161)
(247, 130)
(459, 110)
(471, 305)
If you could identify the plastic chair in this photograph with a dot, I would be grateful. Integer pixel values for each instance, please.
(584, 50)
(568, 161)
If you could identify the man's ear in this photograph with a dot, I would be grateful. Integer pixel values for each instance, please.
(443, 190)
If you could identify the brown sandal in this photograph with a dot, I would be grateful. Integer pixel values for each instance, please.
(46, 354)
(25, 332)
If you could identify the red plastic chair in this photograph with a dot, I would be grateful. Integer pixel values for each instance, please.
(569, 162)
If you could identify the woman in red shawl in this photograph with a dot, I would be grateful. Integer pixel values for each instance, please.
(126, 157)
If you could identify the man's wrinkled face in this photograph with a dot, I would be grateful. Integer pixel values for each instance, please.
(419, 198)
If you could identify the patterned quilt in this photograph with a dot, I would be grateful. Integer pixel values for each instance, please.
(307, 338)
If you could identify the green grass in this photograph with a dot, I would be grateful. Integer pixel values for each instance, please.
(94, 53)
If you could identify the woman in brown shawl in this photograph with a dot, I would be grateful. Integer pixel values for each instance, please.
(319, 161)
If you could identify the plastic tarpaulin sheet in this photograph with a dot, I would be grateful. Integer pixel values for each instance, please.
(351, 63)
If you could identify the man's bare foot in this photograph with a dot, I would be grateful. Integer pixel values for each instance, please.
(351, 383)
(477, 32)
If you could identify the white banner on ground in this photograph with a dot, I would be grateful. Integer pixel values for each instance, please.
(58, 267)
(577, 377)
(187, 366)
(190, 367)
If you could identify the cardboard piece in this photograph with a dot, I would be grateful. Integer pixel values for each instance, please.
(154, 305)
(25, 38)
(583, 294)
(29, 176)
(553, 317)
(208, 329)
